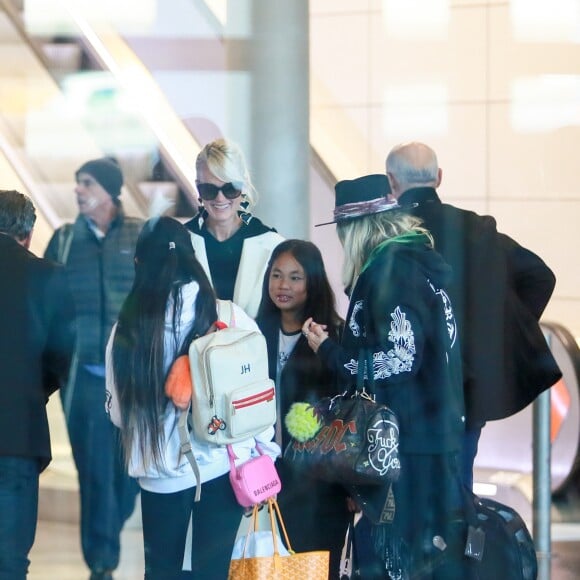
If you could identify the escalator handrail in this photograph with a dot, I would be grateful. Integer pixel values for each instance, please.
(568, 341)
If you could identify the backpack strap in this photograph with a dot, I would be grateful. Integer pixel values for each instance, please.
(65, 236)
(185, 448)
(225, 312)
(232, 456)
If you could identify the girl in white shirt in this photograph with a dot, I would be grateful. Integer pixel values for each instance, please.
(170, 304)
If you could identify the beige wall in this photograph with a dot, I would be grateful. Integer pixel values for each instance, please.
(493, 86)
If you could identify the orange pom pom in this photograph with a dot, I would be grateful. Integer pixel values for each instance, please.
(178, 386)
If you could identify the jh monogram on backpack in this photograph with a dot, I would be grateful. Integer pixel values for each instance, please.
(233, 397)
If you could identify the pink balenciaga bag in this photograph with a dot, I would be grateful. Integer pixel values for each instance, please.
(254, 481)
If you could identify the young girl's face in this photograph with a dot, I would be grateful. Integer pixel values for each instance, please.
(287, 284)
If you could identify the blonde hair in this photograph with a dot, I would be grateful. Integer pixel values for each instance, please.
(361, 235)
(225, 160)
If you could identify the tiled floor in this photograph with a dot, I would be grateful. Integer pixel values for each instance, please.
(56, 553)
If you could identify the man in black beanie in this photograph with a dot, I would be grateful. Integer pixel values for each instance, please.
(97, 251)
(106, 172)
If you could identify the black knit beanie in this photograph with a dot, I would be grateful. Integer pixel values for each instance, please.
(106, 172)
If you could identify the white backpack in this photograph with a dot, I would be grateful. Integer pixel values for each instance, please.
(233, 397)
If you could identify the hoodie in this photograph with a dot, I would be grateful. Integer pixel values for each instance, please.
(176, 473)
(236, 266)
(400, 313)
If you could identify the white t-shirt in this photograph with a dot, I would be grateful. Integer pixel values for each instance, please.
(286, 344)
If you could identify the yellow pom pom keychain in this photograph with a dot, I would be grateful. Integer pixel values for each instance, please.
(302, 421)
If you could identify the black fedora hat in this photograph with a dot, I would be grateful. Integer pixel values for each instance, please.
(361, 196)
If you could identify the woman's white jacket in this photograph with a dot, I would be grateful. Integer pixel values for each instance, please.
(176, 473)
(256, 253)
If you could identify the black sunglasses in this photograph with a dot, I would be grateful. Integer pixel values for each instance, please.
(209, 191)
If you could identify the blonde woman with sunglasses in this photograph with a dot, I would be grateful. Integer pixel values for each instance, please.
(231, 244)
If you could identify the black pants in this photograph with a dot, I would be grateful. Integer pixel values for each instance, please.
(18, 514)
(427, 502)
(315, 514)
(216, 518)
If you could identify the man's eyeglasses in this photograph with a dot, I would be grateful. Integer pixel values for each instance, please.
(209, 191)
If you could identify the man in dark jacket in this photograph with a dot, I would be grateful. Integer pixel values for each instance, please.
(36, 346)
(499, 290)
(97, 251)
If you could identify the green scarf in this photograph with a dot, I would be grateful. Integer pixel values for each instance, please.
(408, 238)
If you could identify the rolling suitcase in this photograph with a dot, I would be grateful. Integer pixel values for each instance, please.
(498, 544)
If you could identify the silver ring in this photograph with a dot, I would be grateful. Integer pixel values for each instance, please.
(305, 334)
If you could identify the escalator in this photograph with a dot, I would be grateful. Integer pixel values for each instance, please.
(61, 105)
(504, 463)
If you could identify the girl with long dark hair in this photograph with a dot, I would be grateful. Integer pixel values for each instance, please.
(171, 303)
(295, 288)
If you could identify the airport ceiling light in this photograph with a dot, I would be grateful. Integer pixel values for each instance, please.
(415, 111)
(545, 103)
(545, 20)
(416, 19)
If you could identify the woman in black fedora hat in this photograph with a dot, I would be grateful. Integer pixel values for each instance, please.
(400, 313)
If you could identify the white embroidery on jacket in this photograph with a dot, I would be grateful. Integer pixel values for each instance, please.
(352, 323)
(400, 358)
(447, 312)
(352, 366)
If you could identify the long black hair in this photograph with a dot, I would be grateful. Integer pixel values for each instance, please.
(320, 301)
(164, 262)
